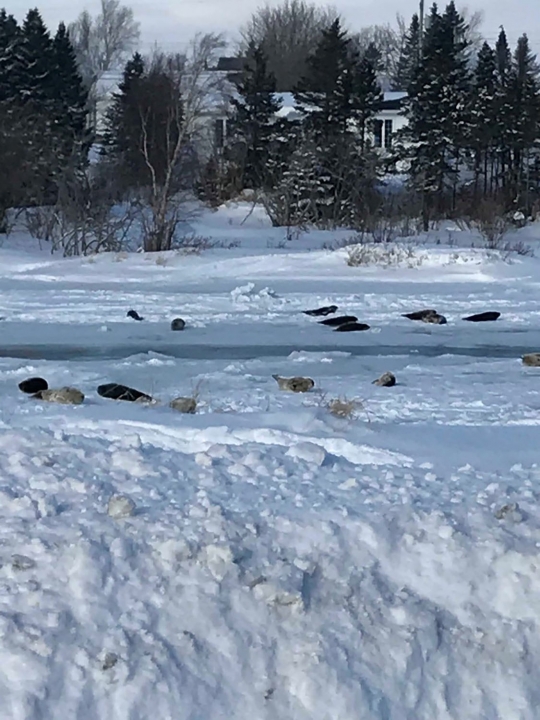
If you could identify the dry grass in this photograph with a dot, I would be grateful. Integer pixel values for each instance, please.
(161, 260)
(384, 255)
(345, 408)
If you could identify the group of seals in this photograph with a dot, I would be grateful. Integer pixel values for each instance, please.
(38, 388)
(348, 323)
(341, 323)
(433, 317)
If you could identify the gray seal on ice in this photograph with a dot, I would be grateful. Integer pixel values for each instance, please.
(62, 396)
(294, 384)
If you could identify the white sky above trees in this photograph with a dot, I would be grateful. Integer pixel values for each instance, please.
(171, 23)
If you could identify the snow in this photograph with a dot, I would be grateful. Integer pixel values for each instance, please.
(263, 558)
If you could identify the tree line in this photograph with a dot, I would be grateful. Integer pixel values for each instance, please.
(473, 111)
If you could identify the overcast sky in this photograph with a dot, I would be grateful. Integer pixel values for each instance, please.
(171, 23)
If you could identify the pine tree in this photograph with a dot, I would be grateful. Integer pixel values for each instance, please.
(69, 109)
(143, 126)
(503, 56)
(339, 96)
(503, 128)
(9, 36)
(36, 64)
(323, 94)
(120, 141)
(365, 97)
(484, 112)
(524, 99)
(437, 110)
(409, 56)
(254, 117)
(374, 56)
(70, 95)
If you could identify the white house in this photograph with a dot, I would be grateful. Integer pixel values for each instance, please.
(216, 110)
(387, 122)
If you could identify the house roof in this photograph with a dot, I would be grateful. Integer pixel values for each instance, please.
(230, 64)
(392, 100)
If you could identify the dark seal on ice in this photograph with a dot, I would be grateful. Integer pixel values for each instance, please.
(178, 324)
(352, 327)
(134, 315)
(420, 314)
(114, 391)
(322, 311)
(33, 385)
(490, 316)
(341, 320)
(435, 319)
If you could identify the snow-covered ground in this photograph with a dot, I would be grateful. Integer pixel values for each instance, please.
(281, 563)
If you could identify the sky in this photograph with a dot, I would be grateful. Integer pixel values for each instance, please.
(171, 23)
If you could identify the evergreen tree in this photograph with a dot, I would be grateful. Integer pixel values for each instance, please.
(484, 112)
(9, 36)
(374, 56)
(409, 56)
(69, 94)
(143, 126)
(323, 94)
(365, 97)
(120, 141)
(503, 128)
(36, 64)
(437, 110)
(254, 117)
(503, 56)
(524, 99)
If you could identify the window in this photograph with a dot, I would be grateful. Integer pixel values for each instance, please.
(388, 129)
(219, 133)
(378, 133)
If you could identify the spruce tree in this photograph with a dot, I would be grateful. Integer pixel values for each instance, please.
(484, 118)
(437, 111)
(339, 96)
(524, 99)
(365, 97)
(323, 94)
(9, 36)
(374, 56)
(503, 56)
(143, 126)
(36, 64)
(69, 101)
(254, 118)
(409, 56)
(120, 140)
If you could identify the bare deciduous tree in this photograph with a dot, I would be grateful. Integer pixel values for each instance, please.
(287, 34)
(387, 41)
(84, 220)
(104, 42)
(188, 95)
